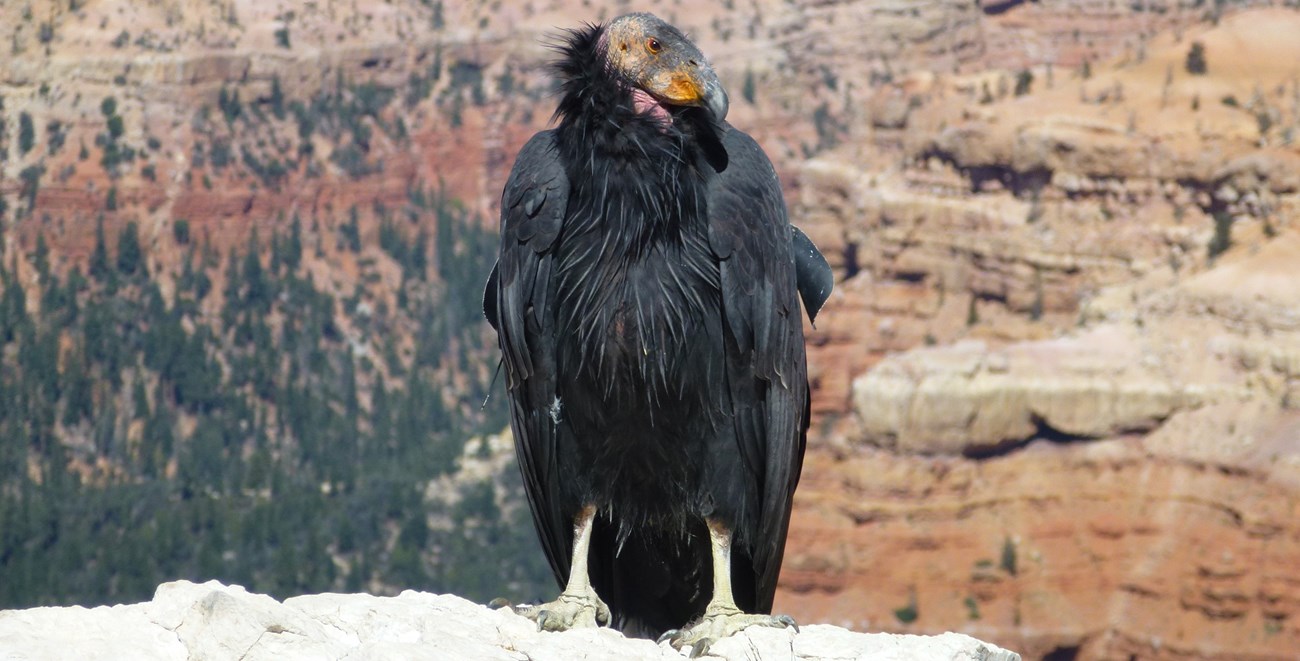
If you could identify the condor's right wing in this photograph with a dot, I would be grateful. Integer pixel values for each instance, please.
(518, 303)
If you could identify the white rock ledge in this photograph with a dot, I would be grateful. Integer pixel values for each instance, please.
(213, 622)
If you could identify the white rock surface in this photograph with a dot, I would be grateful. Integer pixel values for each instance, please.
(214, 622)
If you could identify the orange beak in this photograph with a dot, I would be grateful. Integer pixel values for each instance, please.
(696, 86)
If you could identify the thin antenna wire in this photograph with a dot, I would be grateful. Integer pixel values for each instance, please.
(501, 361)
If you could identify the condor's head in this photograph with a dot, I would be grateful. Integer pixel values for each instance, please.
(641, 60)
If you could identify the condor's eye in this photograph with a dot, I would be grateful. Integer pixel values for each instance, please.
(653, 45)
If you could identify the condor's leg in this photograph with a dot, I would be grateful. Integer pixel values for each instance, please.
(721, 617)
(578, 606)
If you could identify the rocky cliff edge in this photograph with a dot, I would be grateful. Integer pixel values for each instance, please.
(190, 621)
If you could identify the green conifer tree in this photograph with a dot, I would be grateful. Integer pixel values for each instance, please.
(26, 133)
(99, 255)
(130, 257)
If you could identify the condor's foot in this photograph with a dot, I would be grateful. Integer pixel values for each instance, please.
(568, 611)
(579, 605)
(718, 623)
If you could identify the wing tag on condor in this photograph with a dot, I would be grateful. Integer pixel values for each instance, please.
(812, 272)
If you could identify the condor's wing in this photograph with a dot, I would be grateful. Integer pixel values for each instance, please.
(762, 261)
(518, 304)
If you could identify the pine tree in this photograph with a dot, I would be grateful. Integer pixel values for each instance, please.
(381, 416)
(77, 402)
(293, 250)
(1196, 61)
(130, 257)
(277, 98)
(194, 280)
(350, 232)
(99, 256)
(54, 300)
(13, 305)
(420, 254)
(197, 377)
(26, 133)
(157, 441)
(41, 257)
(257, 289)
(232, 306)
(140, 400)
(72, 287)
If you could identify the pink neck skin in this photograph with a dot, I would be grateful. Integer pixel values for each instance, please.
(647, 105)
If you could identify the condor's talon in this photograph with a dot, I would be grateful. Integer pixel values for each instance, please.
(719, 623)
(542, 618)
(788, 622)
(569, 611)
(499, 603)
(700, 649)
(669, 635)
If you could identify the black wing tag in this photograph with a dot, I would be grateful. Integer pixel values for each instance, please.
(812, 272)
(490, 298)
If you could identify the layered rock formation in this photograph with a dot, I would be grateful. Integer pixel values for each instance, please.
(1140, 492)
(1098, 551)
(1056, 387)
(193, 622)
(815, 71)
(1058, 380)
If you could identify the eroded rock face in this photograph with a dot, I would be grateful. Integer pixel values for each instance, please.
(960, 215)
(1139, 491)
(1099, 550)
(1058, 382)
(1001, 217)
(210, 621)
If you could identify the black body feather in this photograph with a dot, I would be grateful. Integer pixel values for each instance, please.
(646, 300)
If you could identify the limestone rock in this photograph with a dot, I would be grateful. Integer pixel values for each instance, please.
(214, 622)
(969, 397)
(1213, 355)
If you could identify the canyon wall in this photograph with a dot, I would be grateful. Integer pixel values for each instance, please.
(1055, 391)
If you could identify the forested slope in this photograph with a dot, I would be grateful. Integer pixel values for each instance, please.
(286, 442)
